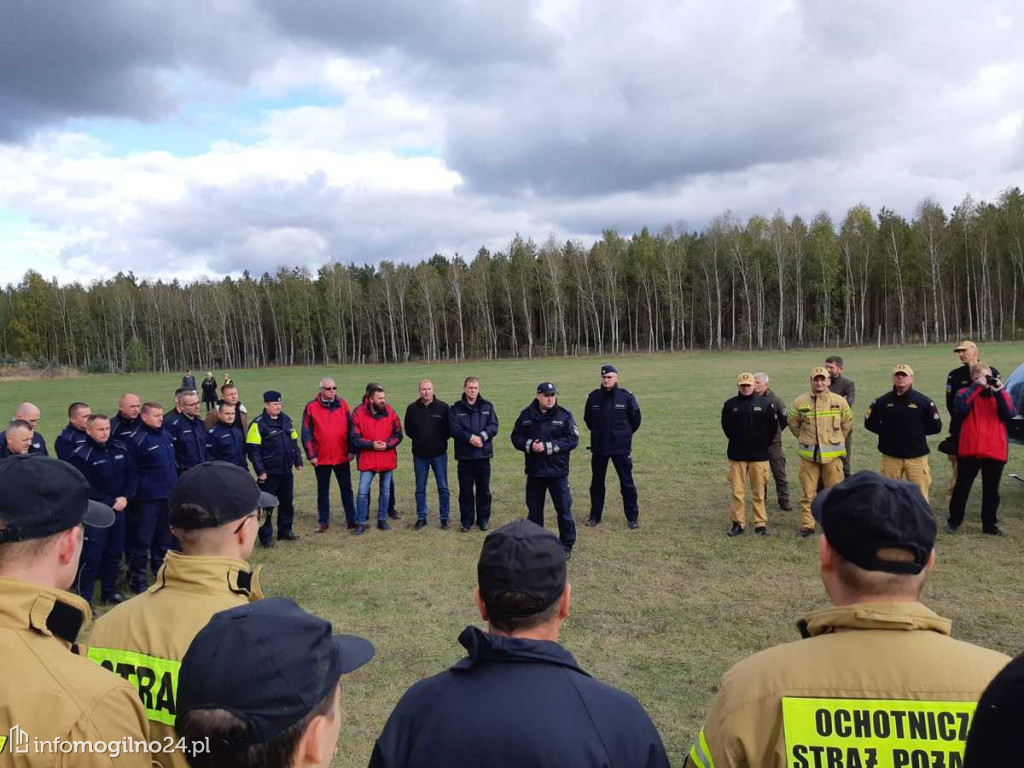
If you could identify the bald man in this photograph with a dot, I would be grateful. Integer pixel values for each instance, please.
(126, 423)
(30, 413)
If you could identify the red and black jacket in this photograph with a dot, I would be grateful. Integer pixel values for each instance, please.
(985, 415)
(368, 426)
(325, 428)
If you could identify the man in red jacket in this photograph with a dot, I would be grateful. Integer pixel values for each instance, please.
(376, 433)
(325, 426)
(984, 409)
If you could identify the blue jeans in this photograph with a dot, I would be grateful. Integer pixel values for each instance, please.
(422, 468)
(363, 503)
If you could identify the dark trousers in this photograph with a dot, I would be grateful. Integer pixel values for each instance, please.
(536, 488)
(101, 557)
(475, 492)
(624, 469)
(282, 486)
(967, 469)
(150, 542)
(343, 474)
(777, 462)
(210, 402)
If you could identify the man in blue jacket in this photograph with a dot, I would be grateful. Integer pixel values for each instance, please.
(31, 413)
(73, 435)
(473, 424)
(223, 441)
(187, 431)
(273, 446)
(126, 422)
(612, 415)
(521, 698)
(109, 467)
(546, 432)
(150, 526)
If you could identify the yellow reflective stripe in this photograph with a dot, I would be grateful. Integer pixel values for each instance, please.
(254, 437)
(295, 435)
(3, 741)
(156, 679)
(878, 732)
(709, 760)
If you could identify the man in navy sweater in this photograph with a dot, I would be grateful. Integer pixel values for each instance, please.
(521, 698)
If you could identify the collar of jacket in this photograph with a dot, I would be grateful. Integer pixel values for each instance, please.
(535, 406)
(484, 648)
(610, 391)
(894, 616)
(48, 611)
(98, 446)
(479, 400)
(71, 429)
(330, 405)
(204, 575)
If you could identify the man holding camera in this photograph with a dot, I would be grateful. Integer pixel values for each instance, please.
(983, 409)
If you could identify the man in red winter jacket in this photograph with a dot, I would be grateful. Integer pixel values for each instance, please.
(326, 421)
(376, 433)
(984, 409)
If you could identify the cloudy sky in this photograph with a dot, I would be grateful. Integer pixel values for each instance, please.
(204, 137)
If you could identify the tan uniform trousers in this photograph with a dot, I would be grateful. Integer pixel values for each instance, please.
(810, 473)
(755, 474)
(915, 471)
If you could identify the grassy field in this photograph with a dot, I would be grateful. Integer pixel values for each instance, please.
(661, 612)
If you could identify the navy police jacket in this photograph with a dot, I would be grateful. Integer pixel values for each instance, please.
(109, 468)
(154, 459)
(273, 445)
(225, 443)
(124, 429)
(38, 445)
(612, 416)
(189, 436)
(520, 703)
(556, 430)
(465, 421)
(67, 441)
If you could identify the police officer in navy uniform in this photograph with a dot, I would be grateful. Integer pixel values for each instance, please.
(109, 466)
(273, 446)
(612, 415)
(186, 430)
(223, 441)
(546, 432)
(31, 413)
(126, 423)
(73, 435)
(150, 526)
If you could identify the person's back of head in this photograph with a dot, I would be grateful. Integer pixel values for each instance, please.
(878, 540)
(216, 509)
(992, 741)
(43, 504)
(260, 715)
(522, 588)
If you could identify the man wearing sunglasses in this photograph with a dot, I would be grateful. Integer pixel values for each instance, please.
(325, 424)
(216, 509)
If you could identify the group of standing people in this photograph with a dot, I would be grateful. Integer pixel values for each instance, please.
(821, 421)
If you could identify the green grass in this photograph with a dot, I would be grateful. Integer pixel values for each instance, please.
(661, 612)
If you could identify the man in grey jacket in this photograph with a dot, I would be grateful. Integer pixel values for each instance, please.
(776, 453)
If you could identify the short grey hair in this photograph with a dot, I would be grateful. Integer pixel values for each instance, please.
(325, 379)
(761, 376)
(179, 396)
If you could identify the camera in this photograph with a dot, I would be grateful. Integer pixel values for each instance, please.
(992, 380)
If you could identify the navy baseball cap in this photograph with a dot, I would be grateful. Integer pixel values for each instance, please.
(867, 513)
(523, 558)
(608, 368)
(271, 396)
(214, 493)
(269, 663)
(546, 388)
(40, 497)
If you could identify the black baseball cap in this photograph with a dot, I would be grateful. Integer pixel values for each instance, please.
(524, 558)
(214, 493)
(867, 512)
(546, 388)
(269, 663)
(40, 497)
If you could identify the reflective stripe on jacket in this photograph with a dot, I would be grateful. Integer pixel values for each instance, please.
(821, 424)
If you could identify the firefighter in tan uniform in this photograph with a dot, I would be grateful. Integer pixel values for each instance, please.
(821, 421)
(215, 512)
(750, 422)
(48, 690)
(903, 418)
(877, 679)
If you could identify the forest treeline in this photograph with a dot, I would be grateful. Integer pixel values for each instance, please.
(766, 282)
